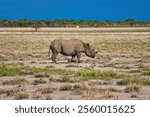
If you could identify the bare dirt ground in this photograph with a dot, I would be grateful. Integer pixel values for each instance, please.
(121, 69)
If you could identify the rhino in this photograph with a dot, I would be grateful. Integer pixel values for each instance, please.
(72, 47)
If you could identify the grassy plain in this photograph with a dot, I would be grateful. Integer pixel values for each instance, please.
(121, 69)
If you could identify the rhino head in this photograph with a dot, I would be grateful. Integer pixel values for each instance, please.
(90, 52)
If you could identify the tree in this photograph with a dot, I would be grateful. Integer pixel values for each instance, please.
(107, 23)
(36, 26)
(23, 23)
(6, 23)
(130, 22)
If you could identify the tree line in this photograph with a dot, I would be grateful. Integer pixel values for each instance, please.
(73, 23)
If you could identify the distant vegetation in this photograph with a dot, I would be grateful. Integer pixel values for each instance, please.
(72, 23)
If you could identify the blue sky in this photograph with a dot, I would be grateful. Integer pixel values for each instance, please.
(114, 10)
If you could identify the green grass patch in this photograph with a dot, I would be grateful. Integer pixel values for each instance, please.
(146, 71)
(134, 80)
(11, 69)
(102, 74)
(18, 69)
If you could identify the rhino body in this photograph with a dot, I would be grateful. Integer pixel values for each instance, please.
(73, 48)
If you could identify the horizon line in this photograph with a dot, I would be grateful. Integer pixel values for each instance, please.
(75, 19)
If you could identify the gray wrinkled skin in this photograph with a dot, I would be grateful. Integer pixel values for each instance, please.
(73, 48)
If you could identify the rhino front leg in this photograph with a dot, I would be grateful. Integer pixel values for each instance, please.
(78, 56)
(73, 58)
(54, 58)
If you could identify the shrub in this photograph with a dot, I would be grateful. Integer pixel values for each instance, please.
(39, 75)
(66, 87)
(65, 78)
(39, 81)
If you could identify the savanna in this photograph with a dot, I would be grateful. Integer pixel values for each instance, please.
(120, 69)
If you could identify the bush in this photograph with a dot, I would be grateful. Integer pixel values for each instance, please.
(66, 88)
(39, 81)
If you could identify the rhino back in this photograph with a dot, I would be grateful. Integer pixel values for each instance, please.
(69, 47)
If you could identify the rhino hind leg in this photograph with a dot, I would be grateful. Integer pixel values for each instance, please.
(54, 58)
(55, 53)
(78, 57)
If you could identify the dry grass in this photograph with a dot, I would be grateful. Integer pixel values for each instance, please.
(132, 88)
(82, 86)
(21, 95)
(47, 90)
(113, 89)
(66, 87)
(97, 95)
(17, 29)
(48, 97)
(134, 96)
(15, 81)
(124, 53)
